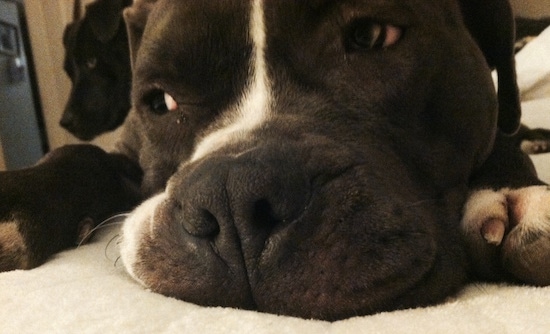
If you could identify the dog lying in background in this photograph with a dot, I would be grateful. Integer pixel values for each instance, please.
(320, 159)
(527, 29)
(98, 64)
(531, 141)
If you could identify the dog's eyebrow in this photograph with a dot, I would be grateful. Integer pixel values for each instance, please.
(389, 11)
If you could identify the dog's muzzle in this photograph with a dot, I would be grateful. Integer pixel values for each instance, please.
(298, 228)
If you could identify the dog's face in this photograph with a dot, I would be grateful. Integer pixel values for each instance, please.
(101, 80)
(317, 152)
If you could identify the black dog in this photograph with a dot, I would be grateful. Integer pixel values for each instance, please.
(527, 29)
(531, 141)
(319, 159)
(98, 63)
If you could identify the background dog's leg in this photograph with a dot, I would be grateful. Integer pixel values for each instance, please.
(42, 207)
(533, 141)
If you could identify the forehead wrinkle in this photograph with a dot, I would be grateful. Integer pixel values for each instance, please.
(198, 47)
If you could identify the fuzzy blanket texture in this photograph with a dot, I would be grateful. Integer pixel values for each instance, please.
(87, 291)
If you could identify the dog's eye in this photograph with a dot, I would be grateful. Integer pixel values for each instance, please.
(161, 102)
(91, 63)
(369, 35)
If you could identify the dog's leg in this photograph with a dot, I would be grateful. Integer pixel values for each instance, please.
(534, 141)
(49, 207)
(506, 221)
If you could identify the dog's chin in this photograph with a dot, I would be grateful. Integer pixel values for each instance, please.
(352, 254)
(84, 136)
(92, 123)
(83, 132)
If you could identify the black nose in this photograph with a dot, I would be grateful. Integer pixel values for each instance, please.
(250, 194)
(67, 120)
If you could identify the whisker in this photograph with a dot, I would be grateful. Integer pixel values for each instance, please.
(121, 216)
(115, 237)
(116, 261)
(422, 202)
(111, 221)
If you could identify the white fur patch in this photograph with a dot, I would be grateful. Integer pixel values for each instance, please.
(254, 107)
(482, 205)
(135, 227)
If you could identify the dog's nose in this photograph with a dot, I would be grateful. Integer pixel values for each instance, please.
(253, 193)
(67, 120)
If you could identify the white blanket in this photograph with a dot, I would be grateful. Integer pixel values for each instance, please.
(87, 291)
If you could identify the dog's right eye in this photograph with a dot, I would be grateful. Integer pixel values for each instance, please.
(160, 102)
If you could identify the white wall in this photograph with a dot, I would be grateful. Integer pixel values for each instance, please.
(2, 163)
(531, 8)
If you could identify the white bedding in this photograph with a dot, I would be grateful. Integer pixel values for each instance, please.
(87, 291)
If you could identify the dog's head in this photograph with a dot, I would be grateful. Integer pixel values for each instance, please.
(317, 153)
(98, 64)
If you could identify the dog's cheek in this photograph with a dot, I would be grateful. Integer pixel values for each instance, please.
(356, 259)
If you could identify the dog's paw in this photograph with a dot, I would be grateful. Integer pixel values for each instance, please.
(507, 232)
(534, 141)
(55, 204)
(535, 146)
(14, 252)
(22, 241)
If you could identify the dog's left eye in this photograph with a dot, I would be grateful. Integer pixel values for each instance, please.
(161, 102)
(366, 34)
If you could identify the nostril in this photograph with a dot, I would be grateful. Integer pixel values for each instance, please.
(198, 222)
(208, 226)
(66, 121)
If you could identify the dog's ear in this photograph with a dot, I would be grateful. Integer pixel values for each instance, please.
(105, 17)
(136, 18)
(491, 23)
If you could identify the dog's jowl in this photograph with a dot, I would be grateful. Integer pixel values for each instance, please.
(314, 158)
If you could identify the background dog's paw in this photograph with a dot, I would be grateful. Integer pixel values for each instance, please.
(25, 243)
(535, 146)
(56, 204)
(13, 248)
(534, 141)
(507, 233)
